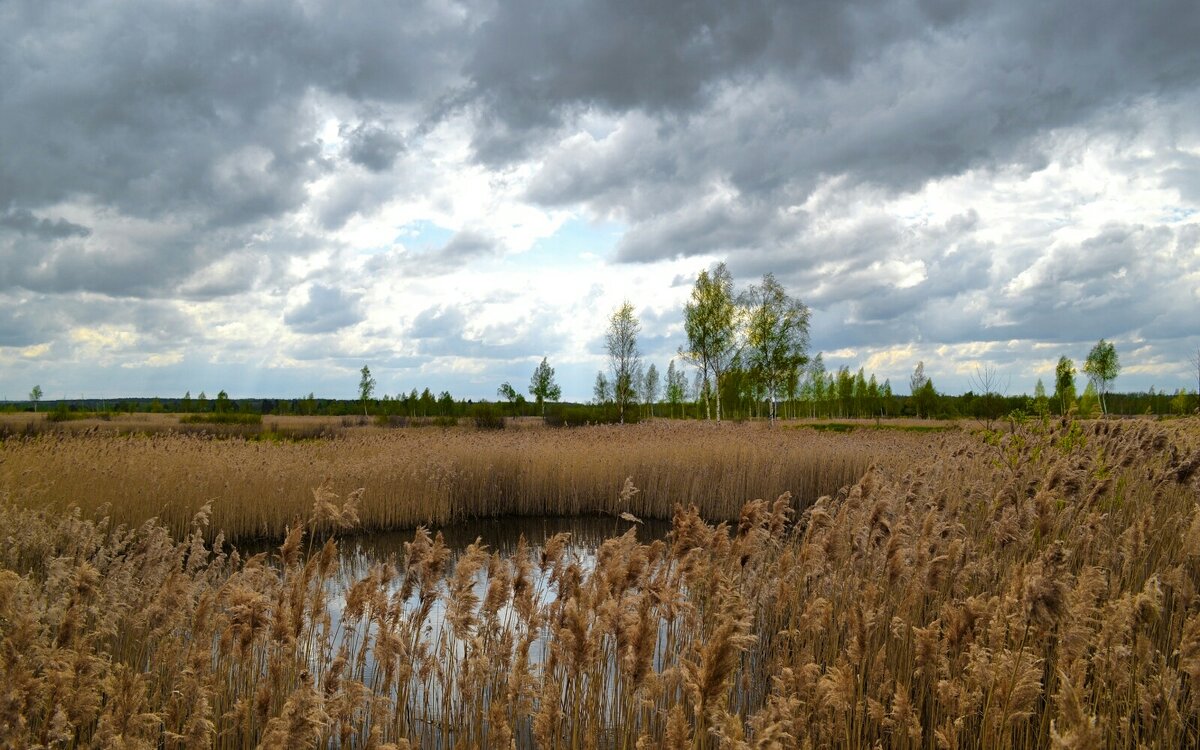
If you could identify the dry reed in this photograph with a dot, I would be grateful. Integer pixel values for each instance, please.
(431, 476)
(1028, 590)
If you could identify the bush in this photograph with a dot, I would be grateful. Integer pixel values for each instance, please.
(221, 418)
(569, 416)
(578, 416)
(61, 414)
(395, 420)
(486, 417)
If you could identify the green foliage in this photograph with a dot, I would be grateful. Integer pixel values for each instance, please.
(676, 386)
(776, 336)
(1064, 385)
(221, 417)
(1089, 404)
(1102, 368)
(710, 322)
(542, 386)
(487, 417)
(601, 391)
(624, 359)
(366, 387)
(60, 413)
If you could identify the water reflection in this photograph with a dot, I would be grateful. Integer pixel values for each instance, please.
(501, 535)
(423, 618)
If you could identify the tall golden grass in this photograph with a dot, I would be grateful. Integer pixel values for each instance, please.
(1033, 589)
(429, 476)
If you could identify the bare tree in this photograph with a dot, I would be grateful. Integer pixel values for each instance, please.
(987, 381)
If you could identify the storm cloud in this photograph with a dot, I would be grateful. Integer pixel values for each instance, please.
(933, 177)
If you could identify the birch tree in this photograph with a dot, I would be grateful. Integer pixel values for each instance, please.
(624, 360)
(710, 321)
(776, 336)
(542, 386)
(1102, 368)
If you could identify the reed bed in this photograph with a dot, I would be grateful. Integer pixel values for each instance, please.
(433, 475)
(1033, 589)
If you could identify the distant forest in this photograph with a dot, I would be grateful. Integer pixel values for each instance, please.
(853, 398)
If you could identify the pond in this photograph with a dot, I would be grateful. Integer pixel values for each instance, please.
(430, 648)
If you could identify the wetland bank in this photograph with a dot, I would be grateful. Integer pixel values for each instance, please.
(1013, 589)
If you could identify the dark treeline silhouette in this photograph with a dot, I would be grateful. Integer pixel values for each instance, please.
(854, 395)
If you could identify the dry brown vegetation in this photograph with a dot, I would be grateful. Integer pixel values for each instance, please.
(1033, 589)
(431, 475)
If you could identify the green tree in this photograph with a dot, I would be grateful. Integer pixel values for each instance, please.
(624, 360)
(1179, 404)
(926, 399)
(860, 393)
(1088, 402)
(776, 336)
(816, 384)
(601, 392)
(186, 405)
(1102, 368)
(366, 387)
(223, 403)
(710, 322)
(35, 396)
(873, 396)
(676, 386)
(1064, 385)
(1041, 404)
(202, 402)
(542, 386)
(917, 383)
(845, 390)
(507, 392)
(650, 387)
(428, 402)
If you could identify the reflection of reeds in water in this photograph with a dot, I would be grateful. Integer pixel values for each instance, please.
(433, 476)
(1034, 589)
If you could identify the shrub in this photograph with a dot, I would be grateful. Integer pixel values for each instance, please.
(487, 417)
(221, 418)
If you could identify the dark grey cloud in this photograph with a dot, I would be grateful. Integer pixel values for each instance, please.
(22, 220)
(372, 146)
(327, 309)
(138, 102)
(189, 140)
(888, 96)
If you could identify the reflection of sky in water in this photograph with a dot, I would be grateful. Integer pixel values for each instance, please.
(357, 554)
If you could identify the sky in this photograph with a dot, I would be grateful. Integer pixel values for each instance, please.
(264, 196)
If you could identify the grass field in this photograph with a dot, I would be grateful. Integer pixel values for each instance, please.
(1027, 589)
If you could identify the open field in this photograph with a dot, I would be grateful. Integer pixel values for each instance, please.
(434, 475)
(1019, 590)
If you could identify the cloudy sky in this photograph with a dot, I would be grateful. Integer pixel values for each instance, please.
(263, 196)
